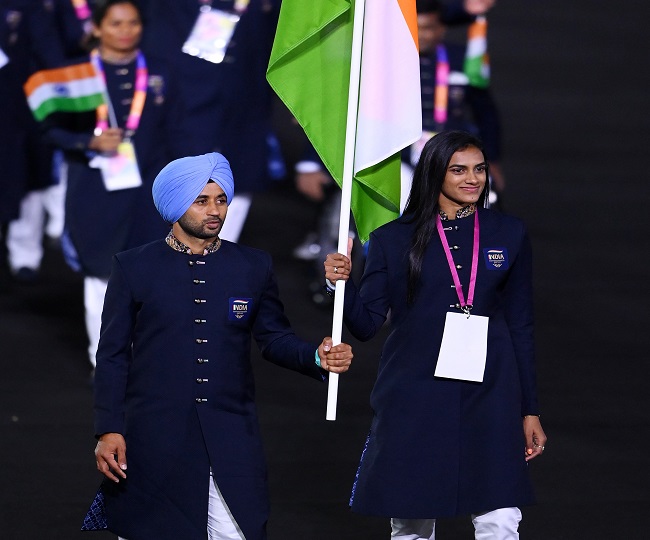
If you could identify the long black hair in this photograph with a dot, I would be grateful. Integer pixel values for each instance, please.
(422, 206)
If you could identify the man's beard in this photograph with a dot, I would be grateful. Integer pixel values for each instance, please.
(196, 229)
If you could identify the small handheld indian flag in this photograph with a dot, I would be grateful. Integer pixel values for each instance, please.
(68, 89)
(477, 62)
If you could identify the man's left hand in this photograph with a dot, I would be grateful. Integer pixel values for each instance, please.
(335, 358)
(110, 454)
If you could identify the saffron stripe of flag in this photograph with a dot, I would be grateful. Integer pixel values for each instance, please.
(68, 89)
(309, 69)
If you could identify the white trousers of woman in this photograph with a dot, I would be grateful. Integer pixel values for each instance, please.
(221, 523)
(500, 524)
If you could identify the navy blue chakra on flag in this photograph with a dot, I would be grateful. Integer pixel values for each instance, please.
(61, 90)
(496, 258)
(239, 308)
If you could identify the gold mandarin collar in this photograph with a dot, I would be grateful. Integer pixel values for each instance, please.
(179, 246)
(462, 213)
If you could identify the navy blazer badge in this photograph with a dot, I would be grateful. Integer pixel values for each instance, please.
(156, 84)
(239, 308)
(496, 258)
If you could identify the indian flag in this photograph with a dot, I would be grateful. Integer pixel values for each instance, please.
(477, 62)
(68, 89)
(311, 67)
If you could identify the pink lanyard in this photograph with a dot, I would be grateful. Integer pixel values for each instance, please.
(465, 306)
(81, 9)
(139, 94)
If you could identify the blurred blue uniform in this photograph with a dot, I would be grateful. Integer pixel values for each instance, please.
(41, 209)
(228, 105)
(469, 108)
(454, 13)
(73, 33)
(28, 41)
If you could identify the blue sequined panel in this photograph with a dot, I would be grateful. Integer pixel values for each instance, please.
(95, 519)
(356, 476)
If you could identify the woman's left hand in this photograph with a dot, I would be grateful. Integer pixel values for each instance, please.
(338, 266)
(535, 437)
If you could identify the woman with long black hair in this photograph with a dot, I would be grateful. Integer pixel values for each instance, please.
(456, 418)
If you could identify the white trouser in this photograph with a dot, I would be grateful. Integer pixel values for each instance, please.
(221, 523)
(25, 234)
(54, 203)
(500, 524)
(235, 218)
(94, 292)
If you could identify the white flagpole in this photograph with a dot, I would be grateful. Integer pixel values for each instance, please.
(346, 190)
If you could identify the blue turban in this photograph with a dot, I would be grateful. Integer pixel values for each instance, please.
(179, 184)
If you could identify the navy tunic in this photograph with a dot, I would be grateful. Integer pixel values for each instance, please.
(441, 447)
(174, 377)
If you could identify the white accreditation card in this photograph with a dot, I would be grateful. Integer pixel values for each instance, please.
(4, 59)
(464, 348)
(121, 170)
(211, 35)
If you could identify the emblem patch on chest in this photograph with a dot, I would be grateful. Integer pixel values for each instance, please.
(239, 308)
(496, 258)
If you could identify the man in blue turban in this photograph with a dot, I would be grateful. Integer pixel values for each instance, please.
(174, 388)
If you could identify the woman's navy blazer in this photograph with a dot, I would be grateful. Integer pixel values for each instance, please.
(442, 447)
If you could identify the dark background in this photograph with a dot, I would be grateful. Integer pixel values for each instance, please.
(571, 80)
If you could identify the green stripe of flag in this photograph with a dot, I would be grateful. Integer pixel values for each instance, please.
(67, 104)
(309, 69)
(478, 71)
